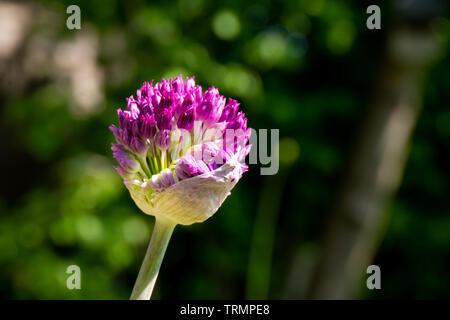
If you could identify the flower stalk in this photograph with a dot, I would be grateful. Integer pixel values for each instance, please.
(180, 151)
(148, 273)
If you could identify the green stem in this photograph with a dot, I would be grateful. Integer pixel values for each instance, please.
(153, 257)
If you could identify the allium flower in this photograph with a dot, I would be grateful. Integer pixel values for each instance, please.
(180, 151)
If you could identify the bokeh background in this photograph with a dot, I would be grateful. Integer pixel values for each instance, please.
(308, 68)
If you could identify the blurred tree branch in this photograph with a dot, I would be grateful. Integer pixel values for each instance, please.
(375, 167)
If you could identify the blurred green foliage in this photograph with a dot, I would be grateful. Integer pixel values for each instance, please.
(304, 67)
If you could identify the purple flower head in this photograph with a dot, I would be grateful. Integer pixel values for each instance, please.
(229, 111)
(174, 132)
